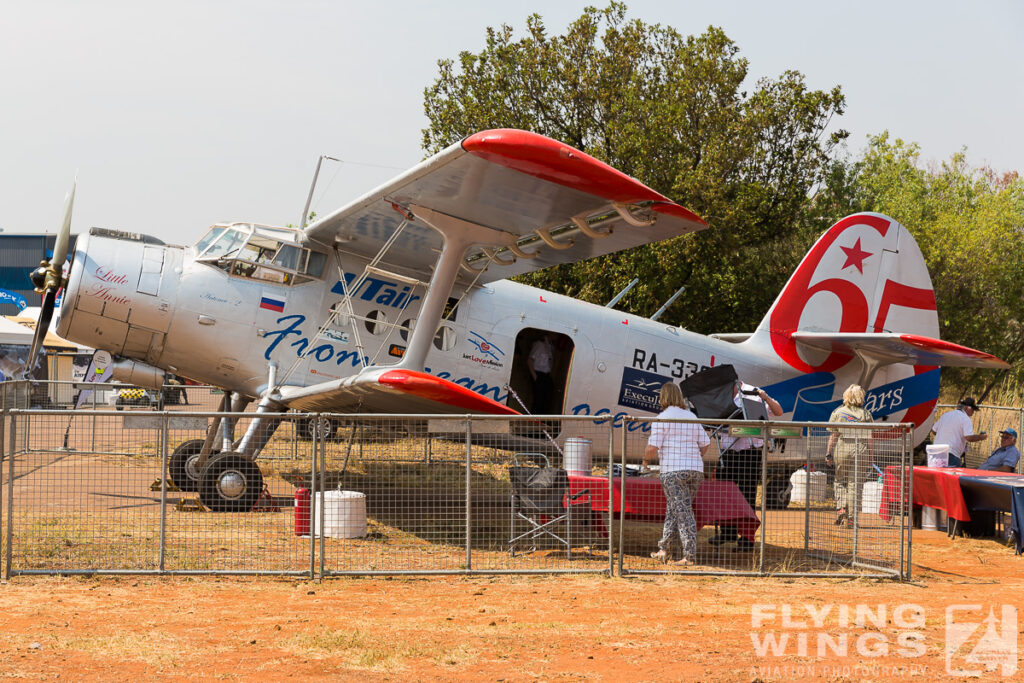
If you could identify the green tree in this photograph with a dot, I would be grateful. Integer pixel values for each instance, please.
(670, 110)
(969, 224)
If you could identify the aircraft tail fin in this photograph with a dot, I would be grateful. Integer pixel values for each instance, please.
(863, 289)
(866, 274)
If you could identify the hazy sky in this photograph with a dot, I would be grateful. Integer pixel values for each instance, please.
(179, 115)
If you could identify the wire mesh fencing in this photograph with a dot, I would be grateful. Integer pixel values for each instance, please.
(991, 420)
(144, 491)
(767, 499)
(95, 491)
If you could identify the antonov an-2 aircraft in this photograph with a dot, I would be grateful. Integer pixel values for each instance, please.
(400, 303)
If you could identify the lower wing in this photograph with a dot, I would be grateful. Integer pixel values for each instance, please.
(391, 390)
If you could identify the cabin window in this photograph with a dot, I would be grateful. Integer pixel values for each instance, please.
(376, 322)
(288, 257)
(316, 263)
(445, 338)
(406, 328)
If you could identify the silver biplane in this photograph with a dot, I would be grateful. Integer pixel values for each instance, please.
(399, 303)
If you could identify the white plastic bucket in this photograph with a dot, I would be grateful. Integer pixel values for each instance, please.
(800, 489)
(933, 519)
(871, 500)
(577, 456)
(344, 514)
(929, 519)
(938, 455)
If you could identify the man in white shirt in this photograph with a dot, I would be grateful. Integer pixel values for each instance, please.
(955, 430)
(540, 362)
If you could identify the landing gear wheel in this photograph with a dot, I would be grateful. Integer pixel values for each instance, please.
(777, 493)
(326, 427)
(230, 483)
(181, 466)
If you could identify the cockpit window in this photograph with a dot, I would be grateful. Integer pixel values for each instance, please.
(209, 238)
(258, 252)
(225, 245)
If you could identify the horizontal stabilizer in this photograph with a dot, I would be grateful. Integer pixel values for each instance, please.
(911, 349)
(387, 390)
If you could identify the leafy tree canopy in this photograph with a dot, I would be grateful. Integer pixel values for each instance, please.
(968, 223)
(754, 160)
(672, 111)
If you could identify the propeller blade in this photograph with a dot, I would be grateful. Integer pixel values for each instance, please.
(60, 247)
(42, 325)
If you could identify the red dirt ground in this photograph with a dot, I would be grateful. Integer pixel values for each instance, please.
(510, 628)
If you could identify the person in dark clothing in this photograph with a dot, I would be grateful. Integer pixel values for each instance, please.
(740, 462)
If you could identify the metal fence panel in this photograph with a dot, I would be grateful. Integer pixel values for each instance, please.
(741, 530)
(438, 496)
(89, 491)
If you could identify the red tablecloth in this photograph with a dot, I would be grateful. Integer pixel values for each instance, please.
(716, 502)
(936, 487)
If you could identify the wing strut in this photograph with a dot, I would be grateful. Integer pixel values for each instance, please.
(458, 235)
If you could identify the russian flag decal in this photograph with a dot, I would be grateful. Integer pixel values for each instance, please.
(272, 304)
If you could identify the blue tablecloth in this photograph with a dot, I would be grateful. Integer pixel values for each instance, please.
(1002, 493)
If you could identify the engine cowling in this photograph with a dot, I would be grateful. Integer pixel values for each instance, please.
(120, 294)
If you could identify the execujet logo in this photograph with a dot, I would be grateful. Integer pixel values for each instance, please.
(639, 389)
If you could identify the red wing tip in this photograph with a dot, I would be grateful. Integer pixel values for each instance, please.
(441, 390)
(556, 162)
(929, 344)
(677, 210)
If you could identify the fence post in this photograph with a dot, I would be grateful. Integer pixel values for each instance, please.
(469, 494)
(902, 509)
(807, 496)
(163, 491)
(611, 500)
(319, 451)
(909, 503)
(611, 533)
(1020, 428)
(854, 513)
(312, 501)
(3, 456)
(764, 493)
(9, 531)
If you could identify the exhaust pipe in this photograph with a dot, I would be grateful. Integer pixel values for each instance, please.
(138, 374)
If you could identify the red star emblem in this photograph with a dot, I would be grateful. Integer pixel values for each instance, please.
(855, 256)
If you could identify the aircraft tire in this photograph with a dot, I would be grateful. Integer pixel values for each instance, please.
(230, 483)
(181, 466)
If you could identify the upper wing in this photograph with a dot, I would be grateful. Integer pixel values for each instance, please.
(890, 347)
(548, 202)
(391, 390)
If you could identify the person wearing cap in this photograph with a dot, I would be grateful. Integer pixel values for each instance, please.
(956, 430)
(1004, 458)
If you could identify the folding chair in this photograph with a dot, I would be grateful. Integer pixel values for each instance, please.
(540, 498)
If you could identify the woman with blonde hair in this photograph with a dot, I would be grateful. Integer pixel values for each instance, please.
(850, 452)
(679, 449)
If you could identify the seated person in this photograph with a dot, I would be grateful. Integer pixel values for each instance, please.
(1004, 458)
